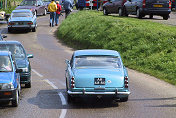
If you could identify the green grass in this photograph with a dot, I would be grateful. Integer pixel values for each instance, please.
(144, 46)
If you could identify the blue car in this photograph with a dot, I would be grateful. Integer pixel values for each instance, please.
(21, 58)
(22, 19)
(9, 79)
(96, 73)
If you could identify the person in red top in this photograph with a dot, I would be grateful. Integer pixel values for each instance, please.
(58, 12)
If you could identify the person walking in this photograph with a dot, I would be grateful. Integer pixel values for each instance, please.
(58, 12)
(52, 7)
(67, 6)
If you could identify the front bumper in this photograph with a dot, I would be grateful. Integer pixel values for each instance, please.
(7, 95)
(25, 77)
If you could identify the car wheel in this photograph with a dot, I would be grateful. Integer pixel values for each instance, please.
(125, 12)
(105, 11)
(70, 99)
(120, 12)
(165, 17)
(28, 85)
(35, 13)
(151, 16)
(16, 101)
(34, 29)
(124, 99)
(44, 13)
(9, 30)
(138, 14)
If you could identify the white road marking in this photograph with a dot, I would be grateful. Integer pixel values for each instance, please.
(37, 73)
(62, 99)
(63, 113)
(51, 84)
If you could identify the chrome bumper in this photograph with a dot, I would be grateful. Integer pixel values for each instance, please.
(97, 93)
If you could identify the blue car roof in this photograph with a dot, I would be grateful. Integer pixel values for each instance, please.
(5, 53)
(21, 10)
(10, 42)
(96, 52)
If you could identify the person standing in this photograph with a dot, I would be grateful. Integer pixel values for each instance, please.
(58, 12)
(67, 6)
(52, 7)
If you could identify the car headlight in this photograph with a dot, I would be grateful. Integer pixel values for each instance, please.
(6, 86)
(25, 69)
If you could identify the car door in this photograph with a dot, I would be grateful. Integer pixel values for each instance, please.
(117, 4)
(39, 7)
(109, 6)
(133, 6)
(42, 7)
(128, 5)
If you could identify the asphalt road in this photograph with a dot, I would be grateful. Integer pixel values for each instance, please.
(150, 97)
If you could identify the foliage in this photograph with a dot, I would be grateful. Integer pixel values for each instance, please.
(145, 46)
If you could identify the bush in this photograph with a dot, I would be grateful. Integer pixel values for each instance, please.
(145, 46)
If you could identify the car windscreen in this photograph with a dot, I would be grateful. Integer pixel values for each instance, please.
(97, 62)
(21, 14)
(5, 64)
(46, 0)
(28, 3)
(16, 49)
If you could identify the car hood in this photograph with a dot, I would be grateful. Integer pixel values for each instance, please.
(25, 7)
(6, 77)
(21, 19)
(85, 77)
(21, 63)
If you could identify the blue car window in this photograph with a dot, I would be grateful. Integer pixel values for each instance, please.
(97, 61)
(28, 3)
(16, 50)
(21, 14)
(5, 64)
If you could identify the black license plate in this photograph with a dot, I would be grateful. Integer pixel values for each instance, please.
(20, 23)
(99, 81)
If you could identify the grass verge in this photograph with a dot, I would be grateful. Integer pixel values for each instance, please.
(144, 46)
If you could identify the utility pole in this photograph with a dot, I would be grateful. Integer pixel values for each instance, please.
(5, 4)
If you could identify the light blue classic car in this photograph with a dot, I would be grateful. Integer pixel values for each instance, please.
(22, 19)
(96, 73)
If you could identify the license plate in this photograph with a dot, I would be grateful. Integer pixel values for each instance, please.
(99, 81)
(157, 5)
(20, 23)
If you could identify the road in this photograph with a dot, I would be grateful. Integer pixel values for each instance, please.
(150, 97)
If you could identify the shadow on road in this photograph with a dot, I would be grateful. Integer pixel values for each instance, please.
(49, 99)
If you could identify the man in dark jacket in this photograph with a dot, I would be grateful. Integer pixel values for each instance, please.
(68, 7)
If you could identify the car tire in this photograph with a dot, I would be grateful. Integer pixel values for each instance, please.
(105, 11)
(45, 12)
(16, 101)
(124, 99)
(120, 12)
(165, 17)
(69, 98)
(9, 30)
(34, 29)
(138, 14)
(125, 12)
(28, 85)
(151, 16)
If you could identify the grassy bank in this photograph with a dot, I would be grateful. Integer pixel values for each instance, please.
(144, 46)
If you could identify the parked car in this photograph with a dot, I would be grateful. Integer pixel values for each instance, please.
(96, 73)
(148, 7)
(21, 58)
(2, 37)
(36, 6)
(22, 19)
(9, 79)
(113, 6)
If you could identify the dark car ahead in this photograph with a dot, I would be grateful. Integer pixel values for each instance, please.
(113, 6)
(38, 7)
(148, 7)
(21, 58)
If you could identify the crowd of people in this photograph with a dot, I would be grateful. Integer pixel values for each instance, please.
(55, 10)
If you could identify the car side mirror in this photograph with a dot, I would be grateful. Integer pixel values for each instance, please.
(30, 56)
(19, 70)
(4, 36)
(67, 62)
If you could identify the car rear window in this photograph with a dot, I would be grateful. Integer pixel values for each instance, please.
(97, 62)
(28, 3)
(21, 14)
